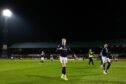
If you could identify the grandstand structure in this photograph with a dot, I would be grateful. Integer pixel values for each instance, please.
(34, 48)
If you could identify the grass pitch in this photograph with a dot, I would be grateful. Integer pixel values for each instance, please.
(78, 72)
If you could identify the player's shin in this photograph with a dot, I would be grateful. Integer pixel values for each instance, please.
(109, 64)
(103, 66)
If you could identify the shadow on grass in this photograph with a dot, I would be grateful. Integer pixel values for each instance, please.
(44, 77)
(108, 82)
(82, 75)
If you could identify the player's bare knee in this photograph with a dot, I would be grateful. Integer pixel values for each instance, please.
(63, 65)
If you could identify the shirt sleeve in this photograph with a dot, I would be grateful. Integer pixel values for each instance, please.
(57, 49)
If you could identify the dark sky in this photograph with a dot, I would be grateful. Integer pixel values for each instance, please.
(44, 20)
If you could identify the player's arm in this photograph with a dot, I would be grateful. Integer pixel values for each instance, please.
(93, 52)
(69, 50)
(109, 55)
(73, 54)
(103, 52)
(59, 47)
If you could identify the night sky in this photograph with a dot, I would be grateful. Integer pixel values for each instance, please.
(44, 20)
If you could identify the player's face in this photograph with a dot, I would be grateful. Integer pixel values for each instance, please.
(64, 41)
(42, 51)
(90, 50)
(106, 46)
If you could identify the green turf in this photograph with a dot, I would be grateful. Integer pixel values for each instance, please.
(34, 72)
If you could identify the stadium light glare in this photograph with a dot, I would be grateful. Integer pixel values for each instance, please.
(7, 13)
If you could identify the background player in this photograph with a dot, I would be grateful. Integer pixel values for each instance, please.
(42, 57)
(91, 53)
(106, 58)
(51, 57)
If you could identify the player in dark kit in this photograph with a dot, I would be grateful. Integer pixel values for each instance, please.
(63, 50)
(106, 58)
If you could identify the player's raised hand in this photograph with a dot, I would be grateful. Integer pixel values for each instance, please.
(61, 48)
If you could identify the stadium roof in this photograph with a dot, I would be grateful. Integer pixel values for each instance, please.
(52, 45)
(34, 45)
(72, 45)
